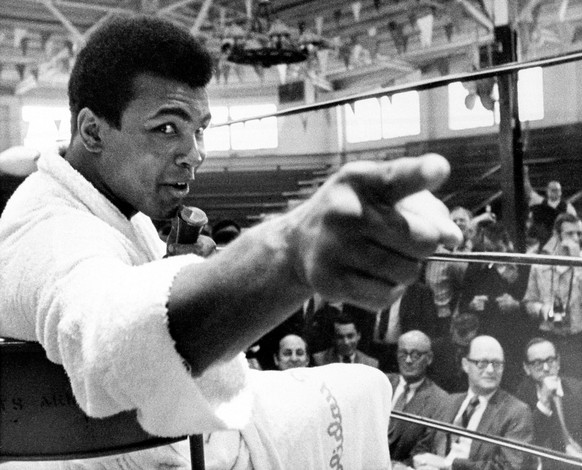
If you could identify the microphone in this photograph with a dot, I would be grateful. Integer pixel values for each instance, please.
(186, 228)
(190, 222)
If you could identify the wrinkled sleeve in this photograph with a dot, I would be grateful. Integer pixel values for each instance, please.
(105, 320)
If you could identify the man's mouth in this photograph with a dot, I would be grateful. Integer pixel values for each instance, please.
(180, 189)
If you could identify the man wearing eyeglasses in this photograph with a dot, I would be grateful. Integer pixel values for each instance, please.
(553, 298)
(414, 393)
(543, 383)
(484, 408)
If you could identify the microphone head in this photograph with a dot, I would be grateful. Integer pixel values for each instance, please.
(190, 222)
(193, 216)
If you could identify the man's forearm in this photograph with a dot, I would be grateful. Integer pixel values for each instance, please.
(218, 308)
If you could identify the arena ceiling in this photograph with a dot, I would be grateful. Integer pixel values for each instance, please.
(380, 38)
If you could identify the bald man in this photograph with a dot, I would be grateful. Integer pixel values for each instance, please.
(414, 393)
(484, 408)
(292, 352)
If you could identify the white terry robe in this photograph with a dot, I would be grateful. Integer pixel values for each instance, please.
(90, 286)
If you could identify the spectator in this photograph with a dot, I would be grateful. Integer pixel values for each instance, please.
(553, 297)
(447, 368)
(493, 292)
(538, 389)
(345, 348)
(445, 278)
(484, 407)
(414, 393)
(225, 231)
(414, 310)
(313, 321)
(553, 200)
(539, 227)
(292, 352)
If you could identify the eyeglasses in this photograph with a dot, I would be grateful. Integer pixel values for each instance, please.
(482, 364)
(414, 355)
(539, 363)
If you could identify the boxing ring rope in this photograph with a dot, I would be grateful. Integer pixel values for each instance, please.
(515, 258)
(420, 85)
(520, 446)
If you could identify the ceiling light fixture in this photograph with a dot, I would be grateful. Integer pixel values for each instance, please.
(267, 41)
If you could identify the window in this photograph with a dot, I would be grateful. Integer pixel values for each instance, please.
(374, 119)
(249, 135)
(400, 115)
(219, 137)
(530, 92)
(363, 121)
(48, 127)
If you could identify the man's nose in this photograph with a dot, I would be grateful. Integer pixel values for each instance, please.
(490, 367)
(189, 155)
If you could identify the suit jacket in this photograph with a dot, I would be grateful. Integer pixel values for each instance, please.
(417, 312)
(329, 356)
(505, 416)
(429, 401)
(547, 431)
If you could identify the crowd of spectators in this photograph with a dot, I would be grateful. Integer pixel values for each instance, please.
(464, 330)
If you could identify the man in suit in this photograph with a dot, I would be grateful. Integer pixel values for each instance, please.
(414, 393)
(538, 389)
(345, 348)
(414, 310)
(484, 408)
(447, 367)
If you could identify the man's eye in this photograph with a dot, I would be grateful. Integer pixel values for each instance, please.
(167, 129)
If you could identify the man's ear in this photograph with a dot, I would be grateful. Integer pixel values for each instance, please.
(89, 125)
(465, 365)
(526, 369)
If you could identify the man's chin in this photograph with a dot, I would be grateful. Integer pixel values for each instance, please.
(165, 215)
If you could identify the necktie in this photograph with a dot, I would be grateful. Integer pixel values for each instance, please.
(469, 411)
(401, 402)
(465, 418)
(398, 406)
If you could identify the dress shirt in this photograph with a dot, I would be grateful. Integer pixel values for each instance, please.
(461, 446)
(347, 359)
(412, 388)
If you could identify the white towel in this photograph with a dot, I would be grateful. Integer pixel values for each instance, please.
(328, 417)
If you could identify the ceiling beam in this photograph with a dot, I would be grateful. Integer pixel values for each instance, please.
(202, 14)
(77, 36)
(477, 14)
(173, 6)
(93, 6)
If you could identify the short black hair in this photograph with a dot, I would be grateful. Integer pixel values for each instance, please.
(564, 218)
(494, 231)
(343, 318)
(104, 71)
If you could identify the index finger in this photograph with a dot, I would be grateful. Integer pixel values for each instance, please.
(392, 181)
